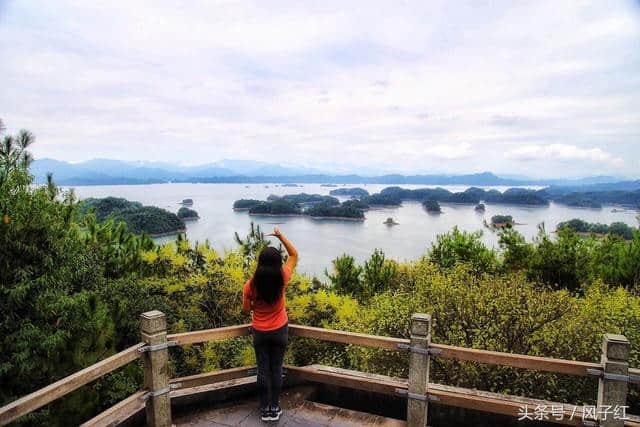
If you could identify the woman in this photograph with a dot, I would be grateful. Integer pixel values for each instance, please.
(264, 294)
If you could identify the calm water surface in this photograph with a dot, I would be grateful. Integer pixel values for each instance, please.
(320, 241)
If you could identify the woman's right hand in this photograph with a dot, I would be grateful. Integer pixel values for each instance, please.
(276, 233)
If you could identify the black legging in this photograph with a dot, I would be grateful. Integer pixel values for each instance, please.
(270, 347)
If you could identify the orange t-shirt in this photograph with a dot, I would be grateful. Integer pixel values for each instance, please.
(267, 317)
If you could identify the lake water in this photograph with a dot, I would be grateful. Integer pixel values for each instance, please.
(320, 241)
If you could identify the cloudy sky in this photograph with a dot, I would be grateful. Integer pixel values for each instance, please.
(539, 88)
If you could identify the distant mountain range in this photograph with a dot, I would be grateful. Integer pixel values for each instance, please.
(113, 172)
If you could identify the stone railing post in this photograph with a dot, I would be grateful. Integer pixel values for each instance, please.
(153, 329)
(418, 370)
(612, 385)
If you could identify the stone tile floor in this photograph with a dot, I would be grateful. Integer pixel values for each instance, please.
(298, 411)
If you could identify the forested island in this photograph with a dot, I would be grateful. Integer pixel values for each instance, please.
(361, 200)
(582, 227)
(432, 206)
(245, 204)
(472, 195)
(595, 199)
(312, 205)
(393, 196)
(357, 192)
(151, 220)
(501, 221)
(187, 214)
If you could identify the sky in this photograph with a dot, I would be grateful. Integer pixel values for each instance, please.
(537, 88)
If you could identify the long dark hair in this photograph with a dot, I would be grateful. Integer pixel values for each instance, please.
(268, 281)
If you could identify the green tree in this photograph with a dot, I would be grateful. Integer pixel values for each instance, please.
(516, 252)
(53, 322)
(378, 272)
(346, 277)
(460, 247)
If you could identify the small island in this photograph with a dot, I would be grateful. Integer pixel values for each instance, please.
(187, 202)
(390, 221)
(328, 185)
(502, 221)
(432, 206)
(245, 204)
(290, 185)
(187, 214)
(354, 192)
(154, 221)
(480, 207)
(584, 228)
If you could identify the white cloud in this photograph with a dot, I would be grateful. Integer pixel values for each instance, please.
(401, 86)
(564, 152)
(449, 151)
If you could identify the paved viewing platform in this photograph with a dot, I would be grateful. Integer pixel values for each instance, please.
(298, 410)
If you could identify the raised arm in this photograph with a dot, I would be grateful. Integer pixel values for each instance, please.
(292, 261)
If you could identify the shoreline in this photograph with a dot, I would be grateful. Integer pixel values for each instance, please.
(341, 218)
(168, 233)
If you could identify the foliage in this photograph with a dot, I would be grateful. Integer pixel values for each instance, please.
(617, 228)
(382, 200)
(502, 219)
(245, 203)
(139, 219)
(276, 207)
(378, 272)
(186, 213)
(325, 210)
(432, 206)
(310, 198)
(52, 321)
(471, 195)
(356, 192)
(461, 247)
(346, 277)
(356, 204)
